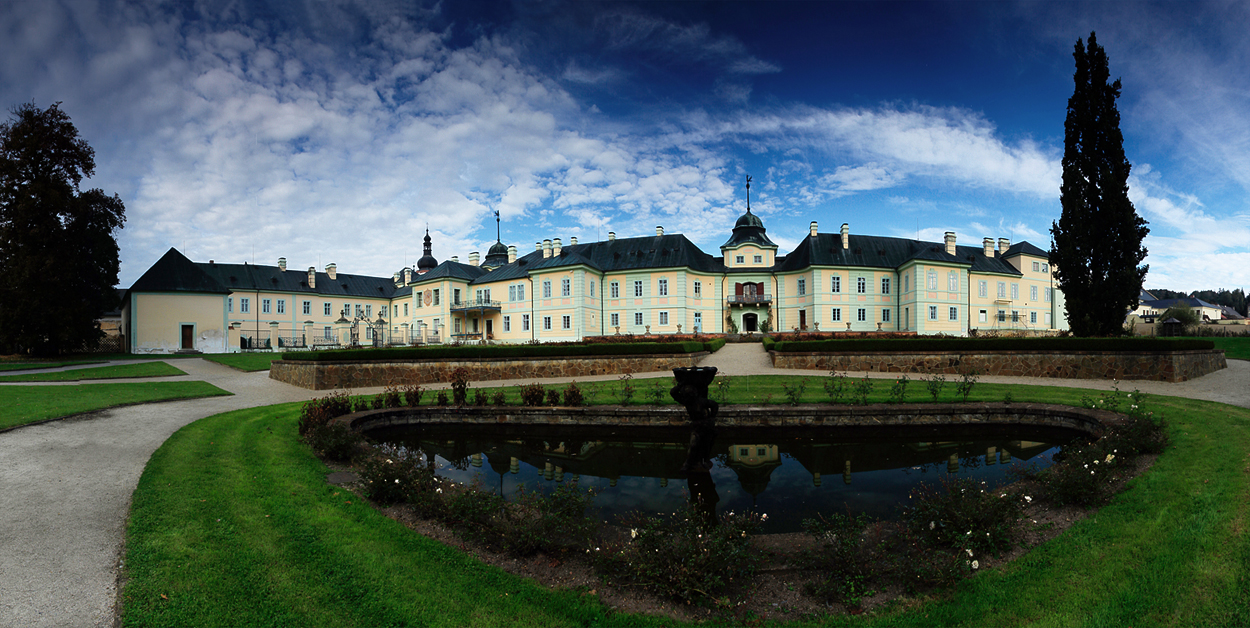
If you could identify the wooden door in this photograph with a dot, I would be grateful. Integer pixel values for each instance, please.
(188, 336)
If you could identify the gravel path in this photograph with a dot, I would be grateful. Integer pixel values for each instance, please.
(65, 486)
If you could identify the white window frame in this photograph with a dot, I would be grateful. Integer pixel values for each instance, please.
(507, 323)
(265, 305)
(836, 284)
(1015, 292)
(1002, 290)
(982, 316)
(698, 288)
(566, 321)
(740, 259)
(759, 259)
(638, 322)
(566, 287)
(546, 288)
(862, 314)
(308, 307)
(662, 286)
(637, 288)
(546, 323)
(952, 281)
(525, 322)
(885, 315)
(615, 287)
(229, 304)
(1033, 293)
(933, 280)
(983, 289)
(802, 286)
(861, 285)
(281, 306)
(933, 312)
(954, 313)
(663, 317)
(616, 319)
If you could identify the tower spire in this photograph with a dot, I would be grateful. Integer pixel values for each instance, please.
(748, 193)
(498, 235)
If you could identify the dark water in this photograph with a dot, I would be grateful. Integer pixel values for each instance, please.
(789, 474)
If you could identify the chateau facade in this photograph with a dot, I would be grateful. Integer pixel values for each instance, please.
(661, 284)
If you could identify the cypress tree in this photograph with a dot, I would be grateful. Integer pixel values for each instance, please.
(1096, 245)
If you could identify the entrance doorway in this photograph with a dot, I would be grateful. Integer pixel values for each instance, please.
(188, 336)
(803, 320)
(750, 323)
(490, 328)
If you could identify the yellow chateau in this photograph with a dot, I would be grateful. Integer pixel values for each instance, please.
(661, 284)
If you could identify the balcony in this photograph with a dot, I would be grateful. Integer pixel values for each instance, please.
(475, 304)
(750, 299)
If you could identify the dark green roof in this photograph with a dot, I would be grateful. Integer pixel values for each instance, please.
(451, 270)
(173, 272)
(825, 249)
(1026, 249)
(666, 251)
(749, 230)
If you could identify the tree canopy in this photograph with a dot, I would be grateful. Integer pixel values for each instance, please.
(1096, 246)
(58, 254)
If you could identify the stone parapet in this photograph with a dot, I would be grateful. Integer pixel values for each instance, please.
(806, 415)
(328, 375)
(1166, 366)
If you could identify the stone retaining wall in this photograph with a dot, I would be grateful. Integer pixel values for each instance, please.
(1167, 366)
(325, 375)
(807, 415)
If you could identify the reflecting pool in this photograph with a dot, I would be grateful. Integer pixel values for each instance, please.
(789, 473)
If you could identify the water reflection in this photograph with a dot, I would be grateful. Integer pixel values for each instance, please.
(783, 472)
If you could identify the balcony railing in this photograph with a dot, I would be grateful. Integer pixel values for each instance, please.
(750, 299)
(475, 304)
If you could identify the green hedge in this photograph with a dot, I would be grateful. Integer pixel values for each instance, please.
(770, 343)
(496, 351)
(713, 346)
(864, 345)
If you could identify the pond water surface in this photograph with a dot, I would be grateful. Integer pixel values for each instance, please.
(788, 473)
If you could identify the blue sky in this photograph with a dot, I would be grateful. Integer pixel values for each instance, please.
(335, 131)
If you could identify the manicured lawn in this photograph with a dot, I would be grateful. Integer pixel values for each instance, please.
(119, 371)
(26, 404)
(1235, 348)
(245, 361)
(233, 524)
(27, 366)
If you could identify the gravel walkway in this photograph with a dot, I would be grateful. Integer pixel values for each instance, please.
(65, 486)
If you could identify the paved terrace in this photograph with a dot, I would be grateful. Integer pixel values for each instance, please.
(65, 486)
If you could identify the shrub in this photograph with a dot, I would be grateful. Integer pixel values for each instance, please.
(533, 394)
(479, 397)
(656, 391)
(794, 394)
(961, 514)
(378, 402)
(935, 383)
(573, 395)
(391, 474)
(553, 397)
(863, 388)
(441, 398)
(845, 571)
(335, 441)
(499, 398)
(318, 412)
(625, 388)
(722, 387)
(361, 404)
(391, 397)
(835, 386)
(533, 521)
(413, 394)
(460, 385)
(899, 390)
(966, 382)
(681, 556)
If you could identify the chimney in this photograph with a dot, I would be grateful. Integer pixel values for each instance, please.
(511, 254)
(611, 236)
(573, 241)
(395, 277)
(659, 230)
(312, 276)
(812, 228)
(546, 249)
(282, 264)
(332, 270)
(846, 236)
(987, 246)
(474, 258)
(555, 247)
(455, 258)
(407, 275)
(538, 246)
(1003, 245)
(949, 238)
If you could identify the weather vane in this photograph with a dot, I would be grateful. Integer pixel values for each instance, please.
(748, 193)
(498, 233)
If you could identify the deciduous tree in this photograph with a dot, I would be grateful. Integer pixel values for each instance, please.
(58, 254)
(1096, 246)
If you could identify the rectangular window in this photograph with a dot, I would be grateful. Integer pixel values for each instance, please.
(326, 331)
(836, 315)
(308, 307)
(507, 323)
(264, 306)
(1036, 267)
(1048, 293)
(885, 285)
(369, 311)
(615, 288)
(802, 286)
(436, 291)
(1045, 267)
(862, 314)
(861, 285)
(520, 292)
(885, 315)
(512, 293)
(359, 311)
(759, 259)
(1032, 293)
(1048, 319)
(981, 316)
(455, 296)
(368, 333)
(455, 325)
(616, 319)
(739, 259)
(525, 322)
(983, 289)
(1015, 316)
(282, 306)
(663, 287)
(229, 304)
(1033, 317)
(933, 280)
(1002, 316)
(592, 288)
(405, 309)
(837, 284)
(1002, 290)
(638, 318)
(566, 287)
(932, 312)
(907, 283)
(546, 288)
(952, 281)
(698, 288)
(698, 321)
(637, 288)
(566, 322)
(546, 323)
(1015, 292)
(954, 314)
(663, 318)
